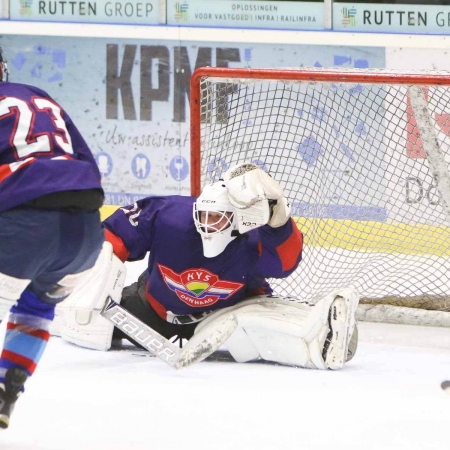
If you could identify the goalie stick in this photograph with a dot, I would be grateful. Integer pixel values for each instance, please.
(199, 347)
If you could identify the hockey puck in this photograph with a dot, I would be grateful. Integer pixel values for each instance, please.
(445, 385)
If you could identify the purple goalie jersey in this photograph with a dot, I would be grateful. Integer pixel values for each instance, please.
(41, 150)
(180, 279)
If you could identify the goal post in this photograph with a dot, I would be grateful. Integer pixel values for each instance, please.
(363, 157)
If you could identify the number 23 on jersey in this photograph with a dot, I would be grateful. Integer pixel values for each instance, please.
(28, 141)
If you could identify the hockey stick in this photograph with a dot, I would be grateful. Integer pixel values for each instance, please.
(197, 349)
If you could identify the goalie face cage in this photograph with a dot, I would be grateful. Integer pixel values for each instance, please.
(350, 150)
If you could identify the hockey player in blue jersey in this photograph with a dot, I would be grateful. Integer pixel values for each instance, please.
(50, 228)
(208, 257)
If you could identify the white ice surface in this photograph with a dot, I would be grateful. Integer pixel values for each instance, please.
(388, 397)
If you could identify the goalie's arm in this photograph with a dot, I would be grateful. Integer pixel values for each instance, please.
(280, 250)
(130, 228)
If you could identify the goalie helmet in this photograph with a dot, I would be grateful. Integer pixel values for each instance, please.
(3, 68)
(214, 219)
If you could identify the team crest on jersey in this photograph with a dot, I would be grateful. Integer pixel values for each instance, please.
(198, 287)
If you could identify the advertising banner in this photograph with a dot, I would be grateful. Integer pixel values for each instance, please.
(130, 98)
(247, 14)
(86, 11)
(392, 18)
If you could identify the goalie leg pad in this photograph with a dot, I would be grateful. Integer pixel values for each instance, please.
(241, 347)
(269, 328)
(341, 323)
(292, 332)
(79, 315)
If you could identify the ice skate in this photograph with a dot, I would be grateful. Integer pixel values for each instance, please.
(10, 391)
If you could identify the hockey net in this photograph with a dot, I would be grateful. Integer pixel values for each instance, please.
(362, 156)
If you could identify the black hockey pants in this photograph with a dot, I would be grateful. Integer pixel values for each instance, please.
(135, 301)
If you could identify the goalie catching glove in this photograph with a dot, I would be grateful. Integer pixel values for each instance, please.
(257, 197)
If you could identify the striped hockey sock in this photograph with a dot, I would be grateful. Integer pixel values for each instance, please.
(26, 334)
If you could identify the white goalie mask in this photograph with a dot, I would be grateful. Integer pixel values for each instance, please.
(214, 219)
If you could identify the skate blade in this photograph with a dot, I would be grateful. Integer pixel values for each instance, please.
(4, 421)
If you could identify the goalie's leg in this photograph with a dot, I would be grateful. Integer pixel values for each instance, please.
(134, 300)
(81, 321)
(293, 332)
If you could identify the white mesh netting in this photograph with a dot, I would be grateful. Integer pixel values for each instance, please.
(351, 161)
